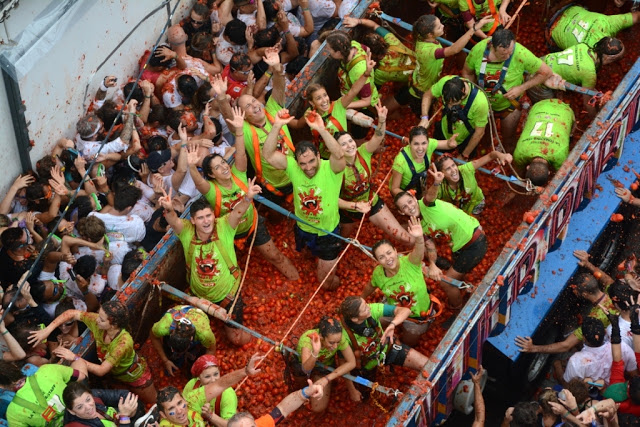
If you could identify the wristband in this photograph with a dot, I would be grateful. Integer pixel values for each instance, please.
(566, 414)
(239, 135)
(305, 395)
(268, 74)
(246, 199)
(305, 9)
(103, 88)
(123, 418)
(437, 184)
(75, 359)
(315, 355)
(425, 117)
(5, 332)
(147, 97)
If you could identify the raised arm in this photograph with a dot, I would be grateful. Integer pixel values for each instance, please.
(432, 192)
(219, 86)
(295, 399)
(193, 160)
(307, 29)
(448, 144)
(502, 158)
(269, 150)
(478, 400)
(15, 351)
(272, 59)
(457, 47)
(337, 160)
(600, 275)
(170, 215)
(216, 388)
(237, 123)
(235, 216)
(42, 334)
(344, 368)
(357, 86)
(378, 136)
(415, 230)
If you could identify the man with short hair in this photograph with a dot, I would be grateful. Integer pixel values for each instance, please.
(316, 190)
(212, 267)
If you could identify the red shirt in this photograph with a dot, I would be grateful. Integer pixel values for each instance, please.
(617, 376)
(234, 87)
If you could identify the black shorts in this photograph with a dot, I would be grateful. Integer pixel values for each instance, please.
(238, 311)
(262, 234)
(466, 259)
(296, 369)
(397, 354)
(325, 247)
(278, 199)
(349, 217)
(404, 97)
(359, 132)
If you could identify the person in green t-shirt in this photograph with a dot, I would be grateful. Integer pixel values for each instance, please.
(459, 186)
(498, 65)
(468, 242)
(401, 280)
(205, 370)
(322, 344)
(575, 24)
(107, 408)
(473, 10)
(355, 195)
(466, 112)
(579, 65)
(430, 57)
(374, 345)
(224, 186)
(175, 410)
(544, 142)
(181, 334)
(411, 163)
(207, 241)
(114, 346)
(316, 189)
(257, 124)
(51, 379)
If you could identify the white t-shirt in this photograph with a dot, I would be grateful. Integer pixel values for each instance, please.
(122, 230)
(321, 11)
(595, 362)
(346, 7)
(90, 148)
(225, 50)
(625, 332)
(248, 18)
(294, 25)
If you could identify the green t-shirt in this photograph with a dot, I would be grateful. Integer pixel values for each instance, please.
(468, 195)
(325, 355)
(400, 163)
(406, 288)
(478, 114)
(199, 319)
(277, 178)
(357, 180)
(399, 62)
(316, 199)
(597, 313)
(354, 69)
(482, 10)
(52, 380)
(338, 114)
(522, 60)
(451, 4)
(119, 352)
(428, 67)
(371, 347)
(207, 271)
(230, 197)
(443, 216)
(196, 398)
(194, 419)
(578, 25)
(546, 134)
(575, 65)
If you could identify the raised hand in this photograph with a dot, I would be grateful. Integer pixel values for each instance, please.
(350, 21)
(238, 118)
(253, 188)
(251, 369)
(23, 181)
(486, 20)
(271, 56)
(182, 133)
(436, 174)
(219, 85)
(129, 405)
(314, 121)
(526, 344)
(623, 193)
(64, 353)
(371, 64)
(582, 256)
(382, 112)
(477, 377)
(132, 106)
(415, 229)
(316, 345)
(165, 200)
(283, 117)
(193, 156)
(451, 142)
(165, 53)
(503, 158)
(58, 188)
(110, 81)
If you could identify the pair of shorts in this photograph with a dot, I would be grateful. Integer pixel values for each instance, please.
(349, 217)
(279, 199)
(296, 370)
(466, 259)
(404, 97)
(238, 311)
(397, 353)
(144, 381)
(360, 132)
(326, 247)
(413, 328)
(262, 234)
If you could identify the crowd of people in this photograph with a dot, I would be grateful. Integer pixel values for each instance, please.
(205, 130)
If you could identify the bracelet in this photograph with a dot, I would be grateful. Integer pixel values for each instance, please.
(246, 199)
(355, 206)
(246, 369)
(425, 117)
(123, 418)
(437, 184)
(268, 74)
(315, 355)
(103, 88)
(75, 359)
(305, 9)
(566, 414)
(5, 332)
(183, 145)
(305, 395)
(573, 410)
(148, 97)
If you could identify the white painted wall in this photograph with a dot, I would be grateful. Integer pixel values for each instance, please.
(53, 89)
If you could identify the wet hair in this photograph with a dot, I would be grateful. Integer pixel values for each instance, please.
(64, 305)
(158, 142)
(36, 200)
(585, 283)
(417, 131)
(620, 293)
(108, 113)
(238, 417)
(328, 325)
(87, 125)
(85, 266)
(440, 161)
(379, 243)
(43, 167)
(579, 389)
(174, 119)
(9, 373)
(270, 10)
(607, 46)
(538, 173)
(267, 37)
(525, 414)
(206, 165)
(200, 42)
(187, 86)
(200, 9)
(378, 46)
(117, 314)
(303, 46)
(311, 89)
(11, 238)
(424, 26)
(166, 395)
(202, 95)
(127, 197)
(235, 31)
(328, 26)
(399, 196)
(91, 228)
(158, 61)
(239, 61)
(130, 263)
(296, 65)
(156, 114)
(453, 90)
(138, 94)
(593, 331)
(502, 38)
(546, 396)
(83, 205)
(199, 205)
(72, 391)
(38, 289)
(304, 146)
(181, 336)
(340, 41)
(350, 307)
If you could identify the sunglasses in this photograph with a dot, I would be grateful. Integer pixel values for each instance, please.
(242, 72)
(195, 21)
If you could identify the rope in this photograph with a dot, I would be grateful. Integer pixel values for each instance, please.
(373, 399)
(246, 267)
(513, 17)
